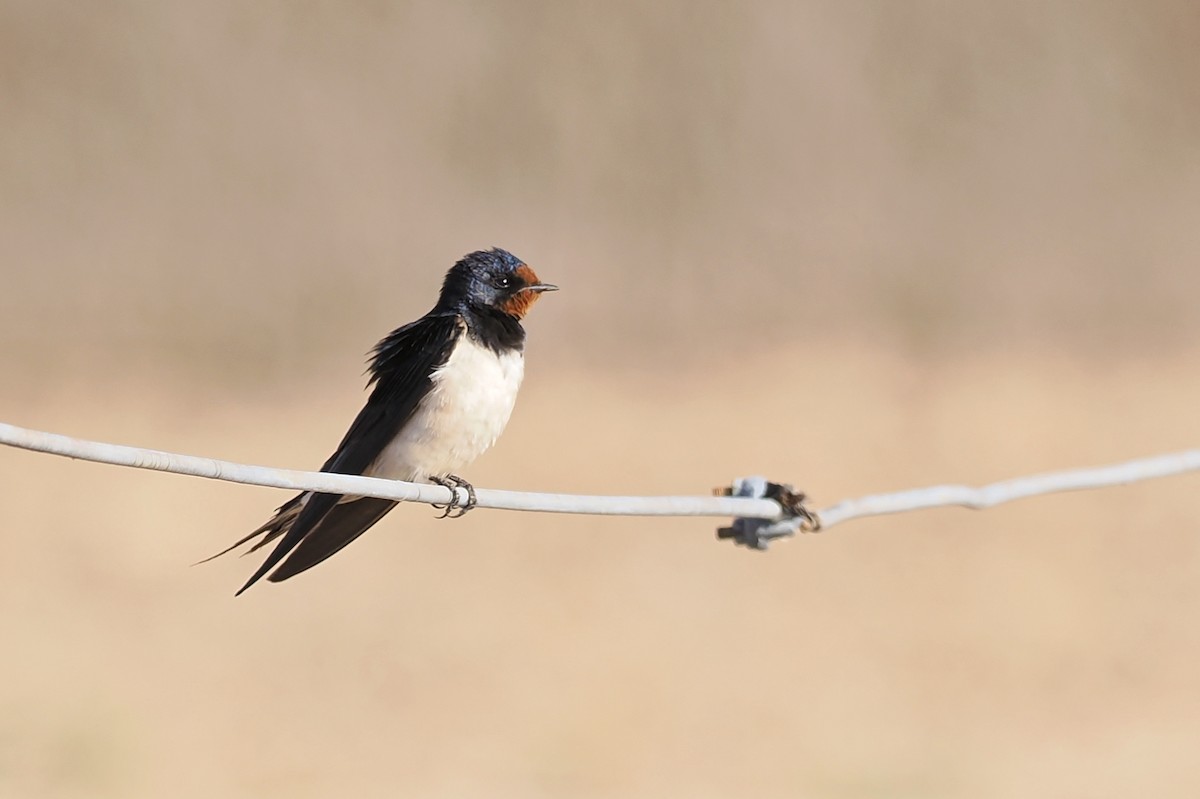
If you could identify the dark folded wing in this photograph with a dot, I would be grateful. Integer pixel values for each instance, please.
(401, 372)
(337, 528)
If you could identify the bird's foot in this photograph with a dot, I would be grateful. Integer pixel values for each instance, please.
(454, 482)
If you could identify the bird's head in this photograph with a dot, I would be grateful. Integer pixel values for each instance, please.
(493, 279)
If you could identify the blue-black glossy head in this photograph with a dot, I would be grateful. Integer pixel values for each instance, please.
(493, 279)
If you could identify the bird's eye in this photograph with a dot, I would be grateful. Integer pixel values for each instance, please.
(503, 282)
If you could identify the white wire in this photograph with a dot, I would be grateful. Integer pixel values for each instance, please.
(354, 485)
(1017, 488)
(745, 507)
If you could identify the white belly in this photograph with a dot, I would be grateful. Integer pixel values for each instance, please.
(464, 413)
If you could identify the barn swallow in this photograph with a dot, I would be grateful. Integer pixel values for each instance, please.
(443, 389)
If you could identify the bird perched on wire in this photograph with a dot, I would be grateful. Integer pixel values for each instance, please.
(444, 387)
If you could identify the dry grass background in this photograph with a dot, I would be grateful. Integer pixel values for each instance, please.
(857, 246)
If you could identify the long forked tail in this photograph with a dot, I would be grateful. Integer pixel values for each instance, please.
(312, 528)
(325, 524)
(277, 525)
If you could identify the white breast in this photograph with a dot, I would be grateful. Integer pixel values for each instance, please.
(464, 413)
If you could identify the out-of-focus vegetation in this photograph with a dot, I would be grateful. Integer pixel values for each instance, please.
(856, 246)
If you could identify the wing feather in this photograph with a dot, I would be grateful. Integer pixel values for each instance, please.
(401, 375)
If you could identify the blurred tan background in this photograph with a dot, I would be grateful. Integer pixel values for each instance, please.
(857, 246)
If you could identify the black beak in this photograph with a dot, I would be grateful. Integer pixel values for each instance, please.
(540, 287)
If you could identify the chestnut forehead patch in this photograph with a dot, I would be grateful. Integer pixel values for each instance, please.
(526, 275)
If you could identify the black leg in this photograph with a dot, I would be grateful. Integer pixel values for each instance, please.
(453, 503)
(454, 482)
(471, 501)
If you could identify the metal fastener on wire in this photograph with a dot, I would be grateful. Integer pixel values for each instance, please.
(759, 533)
